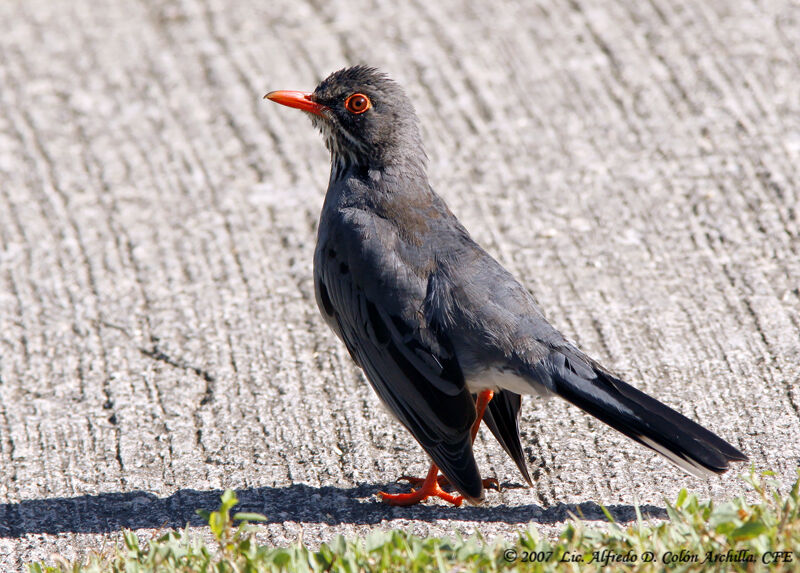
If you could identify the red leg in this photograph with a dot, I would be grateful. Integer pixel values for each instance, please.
(431, 486)
(483, 401)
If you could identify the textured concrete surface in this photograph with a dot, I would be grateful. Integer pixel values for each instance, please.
(634, 163)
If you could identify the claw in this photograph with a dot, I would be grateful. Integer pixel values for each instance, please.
(491, 483)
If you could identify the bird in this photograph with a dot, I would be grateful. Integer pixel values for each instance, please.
(445, 335)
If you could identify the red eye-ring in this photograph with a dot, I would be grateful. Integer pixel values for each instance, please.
(357, 103)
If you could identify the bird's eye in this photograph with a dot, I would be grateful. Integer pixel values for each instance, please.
(357, 103)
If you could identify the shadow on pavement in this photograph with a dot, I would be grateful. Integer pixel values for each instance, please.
(299, 503)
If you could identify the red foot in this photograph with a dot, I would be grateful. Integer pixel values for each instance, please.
(431, 486)
(419, 495)
(489, 483)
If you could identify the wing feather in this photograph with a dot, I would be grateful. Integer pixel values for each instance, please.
(414, 373)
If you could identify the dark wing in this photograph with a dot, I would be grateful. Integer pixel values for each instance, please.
(502, 418)
(419, 381)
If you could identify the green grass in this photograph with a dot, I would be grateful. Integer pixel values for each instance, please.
(698, 536)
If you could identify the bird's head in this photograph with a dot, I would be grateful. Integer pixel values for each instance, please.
(365, 117)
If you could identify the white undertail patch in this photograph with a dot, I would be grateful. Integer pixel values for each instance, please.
(506, 379)
(686, 464)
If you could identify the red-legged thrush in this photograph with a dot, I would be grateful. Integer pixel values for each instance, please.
(437, 325)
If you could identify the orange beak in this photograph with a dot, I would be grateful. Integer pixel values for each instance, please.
(299, 100)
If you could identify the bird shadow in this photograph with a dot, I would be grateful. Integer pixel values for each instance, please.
(299, 503)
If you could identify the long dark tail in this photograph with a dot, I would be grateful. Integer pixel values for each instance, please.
(502, 418)
(642, 418)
